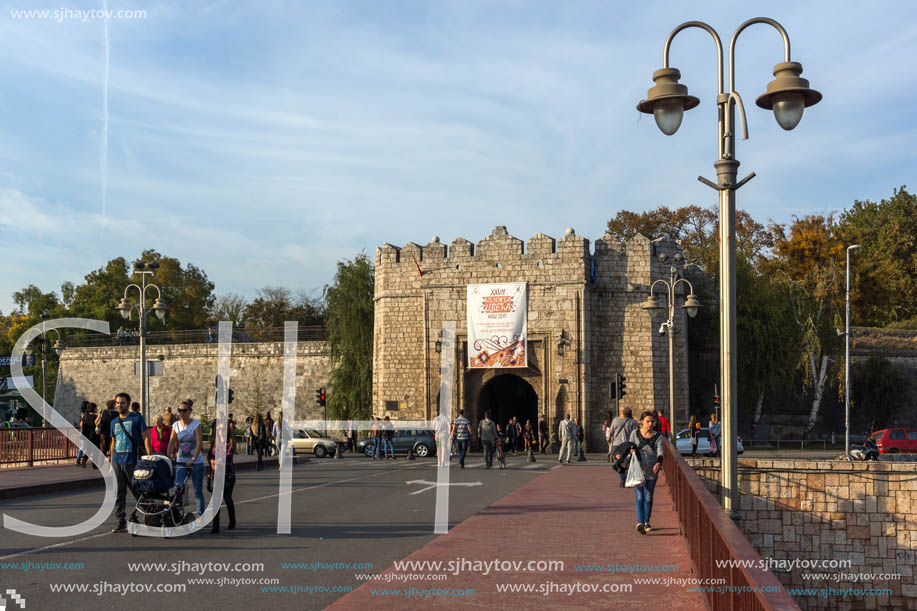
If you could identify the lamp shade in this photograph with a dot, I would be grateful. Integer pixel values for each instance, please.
(788, 95)
(59, 347)
(651, 304)
(160, 307)
(667, 100)
(692, 303)
(125, 308)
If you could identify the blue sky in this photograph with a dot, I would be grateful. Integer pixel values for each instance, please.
(266, 141)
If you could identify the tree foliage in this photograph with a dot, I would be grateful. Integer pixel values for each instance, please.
(229, 306)
(276, 304)
(879, 390)
(349, 322)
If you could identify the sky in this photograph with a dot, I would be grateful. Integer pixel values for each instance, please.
(264, 142)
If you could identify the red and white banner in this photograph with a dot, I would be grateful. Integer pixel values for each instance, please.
(497, 325)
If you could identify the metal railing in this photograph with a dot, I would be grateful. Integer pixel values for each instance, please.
(711, 536)
(192, 336)
(801, 444)
(26, 446)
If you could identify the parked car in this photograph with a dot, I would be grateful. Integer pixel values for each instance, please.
(683, 442)
(895, 440)
(312, 442)
(423, 442)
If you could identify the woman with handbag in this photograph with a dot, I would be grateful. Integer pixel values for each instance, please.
(647, 455)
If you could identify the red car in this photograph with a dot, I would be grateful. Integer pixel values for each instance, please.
(893, 441)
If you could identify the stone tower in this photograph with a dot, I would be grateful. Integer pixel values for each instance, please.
(586, 300)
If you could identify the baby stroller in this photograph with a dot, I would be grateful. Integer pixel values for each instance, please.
(159, 500)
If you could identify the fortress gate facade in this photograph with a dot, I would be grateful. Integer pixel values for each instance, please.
(587, 300)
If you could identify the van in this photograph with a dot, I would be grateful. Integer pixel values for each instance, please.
(895, 440)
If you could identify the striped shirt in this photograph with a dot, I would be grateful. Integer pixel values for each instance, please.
(461, 427)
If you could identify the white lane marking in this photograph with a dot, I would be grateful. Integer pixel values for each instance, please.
(65, 543)
(533, 466)
(431, 485)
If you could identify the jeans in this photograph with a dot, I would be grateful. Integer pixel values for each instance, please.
(488, 453)
(645, 501)
(123, 475)
(197, 479)
(376, 447)
(463, 450)
(388, 447)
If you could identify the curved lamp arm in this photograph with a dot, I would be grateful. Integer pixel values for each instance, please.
(732, 45)
(716, 38)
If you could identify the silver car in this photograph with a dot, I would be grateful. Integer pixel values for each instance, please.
(683, 442)
(312, 442)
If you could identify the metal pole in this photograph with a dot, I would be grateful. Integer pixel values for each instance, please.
(144, 408)
(726, 169)
(847, 359)
(671, 335)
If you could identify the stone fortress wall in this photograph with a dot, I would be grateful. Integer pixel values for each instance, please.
(256, 377)
(591, 296)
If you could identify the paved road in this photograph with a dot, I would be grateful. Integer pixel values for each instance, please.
(344, 511)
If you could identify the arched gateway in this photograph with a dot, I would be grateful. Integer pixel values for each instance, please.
(581, 324)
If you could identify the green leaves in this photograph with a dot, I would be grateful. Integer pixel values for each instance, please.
(349, 323)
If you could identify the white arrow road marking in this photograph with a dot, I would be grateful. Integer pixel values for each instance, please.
(431, 485)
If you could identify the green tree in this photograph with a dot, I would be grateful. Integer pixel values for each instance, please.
(879, 391)
(885, 268)
(229, 306)
(809, 264)
(349, 321)
(276, 304)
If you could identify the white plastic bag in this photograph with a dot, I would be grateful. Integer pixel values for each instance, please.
(634, 473)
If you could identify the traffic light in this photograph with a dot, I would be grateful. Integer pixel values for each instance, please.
(229, 400)
(716, 402)
(320, 397)
(620, 386)
(613, 387)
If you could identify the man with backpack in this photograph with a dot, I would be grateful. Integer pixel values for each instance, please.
(128, 433)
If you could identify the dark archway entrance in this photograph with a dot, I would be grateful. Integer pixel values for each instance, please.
(508, 395)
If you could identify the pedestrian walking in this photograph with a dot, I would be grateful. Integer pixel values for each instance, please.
(487, 432)
(388, 437)
(693, 430)
(648, 453)
(229, 481)
(580, 440)
(187, 450)
(128, 436)
(500, 447)
(664, 427)
(566, 432)
(84, 409)
(461, 432)
(511, 434)
(530, 436)
(160, 435)
(88, 429)
(103, 426)
(351, 435)
(715, 430)
(269, 430)
(606, 433)
(543, 433)
(249, 442)
(441, 430)
(167, 417)
(259, 440)
(281, 435)
(621, 428)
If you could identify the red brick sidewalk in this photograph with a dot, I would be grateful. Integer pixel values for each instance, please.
(577, 514)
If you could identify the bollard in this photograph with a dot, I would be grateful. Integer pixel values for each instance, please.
(340, 451)
(411, 452)
(531, 454)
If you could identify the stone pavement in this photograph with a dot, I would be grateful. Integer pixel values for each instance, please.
(577, 514)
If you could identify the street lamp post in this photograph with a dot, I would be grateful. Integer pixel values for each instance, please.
(692, 303)
(787, 95)
(126, 307)
(847, 360)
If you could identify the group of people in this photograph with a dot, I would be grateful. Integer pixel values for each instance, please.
(263, 436)
(121, 433)
(128, 336)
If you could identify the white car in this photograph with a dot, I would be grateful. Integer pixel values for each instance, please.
(683, 442)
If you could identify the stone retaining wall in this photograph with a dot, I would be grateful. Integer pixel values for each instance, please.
(825, 510)
(256, 377)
